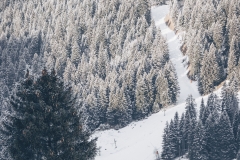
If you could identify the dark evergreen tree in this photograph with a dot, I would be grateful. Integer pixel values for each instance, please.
(238, 155)
(199, 151)
(229, 101)
(235, 127)
(205, 115)
(189, 126)
(202, 108)
(181, 135)
(225, 138)
(176, 139)
(213, 103)
(44, 122)
(143, 8)
(173, 141)
(191, 107)
(190, 122)
(212, 146)
(166, 148)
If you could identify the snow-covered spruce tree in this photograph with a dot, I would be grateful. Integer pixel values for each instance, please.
(202, 109)
(176, 131)
(235, 127)
(211, 136)
(162, 93)
(172, 140)
(233, 55)
(173, 87)
(181, 135)
(142, 108)
(165, 146)
(225, 138)
(92, 111)
(210, 77)
(190, 123)
(199, 151)
(213, 103)
(191, 107)
(44, 122)
(229, 102)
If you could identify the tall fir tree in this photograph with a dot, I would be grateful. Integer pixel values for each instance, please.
(225, 137)
(44, 123)
(166, 148)
(199, 151)
(202, 109)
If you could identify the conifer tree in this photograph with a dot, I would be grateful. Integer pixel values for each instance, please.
(202, 109)
(218, 35)
(191, 107)
(199, 151)
(162, 96)
(173, 141)
(166, 148)
(190, 122)
(227, 149)
(233, 55)
(173, 85)
(213, 103)
(212, 146)
(229, 102)
(176, 138)
(211, 77)
(235, 127)
(141, 100)
(181, 135)
(75, 56)
(45, 123)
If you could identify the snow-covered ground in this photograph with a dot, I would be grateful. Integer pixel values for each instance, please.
(139, 140)
(186, 87)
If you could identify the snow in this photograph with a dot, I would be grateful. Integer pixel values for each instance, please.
(186, 87)
(139, 140)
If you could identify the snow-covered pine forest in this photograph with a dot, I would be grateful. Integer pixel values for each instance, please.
(211, 39)
(212, 133)
(110, 52)
(125, 74)
(210, 31)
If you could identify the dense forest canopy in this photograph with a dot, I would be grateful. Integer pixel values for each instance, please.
(110, 51)
(211, 40)
(211, 134)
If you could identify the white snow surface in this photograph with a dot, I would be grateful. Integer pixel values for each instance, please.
(186, 86)
(139, 140)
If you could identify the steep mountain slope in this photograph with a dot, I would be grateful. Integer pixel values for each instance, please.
(186, 86)
(211, 40)
(109, 51)
(139, 140)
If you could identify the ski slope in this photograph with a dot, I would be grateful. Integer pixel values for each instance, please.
(186, 86)
(139, 139)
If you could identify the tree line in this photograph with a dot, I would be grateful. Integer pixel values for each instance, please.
(110, 52)
(211, 134)
(211, 41)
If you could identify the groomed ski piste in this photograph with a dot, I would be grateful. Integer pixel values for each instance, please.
(140, 140)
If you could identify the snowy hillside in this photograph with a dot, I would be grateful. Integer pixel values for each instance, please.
(186, 86)
(138, 140)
